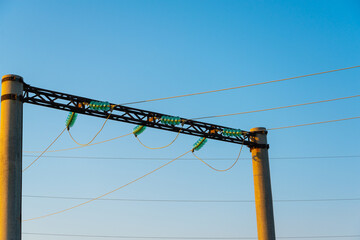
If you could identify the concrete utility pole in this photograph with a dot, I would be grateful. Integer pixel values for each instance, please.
(11, 157)
(262, 185)
(15, 92)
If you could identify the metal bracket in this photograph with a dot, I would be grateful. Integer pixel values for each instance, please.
(12, 96)
(257, 145)
(12, 78)
(121, 113)
(258, 132)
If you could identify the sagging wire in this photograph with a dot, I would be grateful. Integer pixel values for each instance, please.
(221, 170)
(92, 144)
(93, 105)
(70, 121)
(42, 153)
(170, 120)
(105, 194)
(86, 144)
(226, 132)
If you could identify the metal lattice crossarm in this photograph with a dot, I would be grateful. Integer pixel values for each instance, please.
(68, 102)
(15, 92)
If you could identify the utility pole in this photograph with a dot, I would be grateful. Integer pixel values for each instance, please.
(262, 185)
(15, 92)
(11, 157)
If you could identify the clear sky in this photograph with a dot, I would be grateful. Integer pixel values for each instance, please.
(123, 51)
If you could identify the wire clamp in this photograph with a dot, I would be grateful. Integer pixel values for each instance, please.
(258, 145)
(12, 96)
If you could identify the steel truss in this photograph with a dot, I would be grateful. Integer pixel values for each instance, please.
(69, 102)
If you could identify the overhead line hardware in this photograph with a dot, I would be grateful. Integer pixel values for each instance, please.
(199, 144)
(243, 86)
(179, 237)
(110, 192)
(70, 120)
(95, 108)
(162, 158)
(315, 123)
(276, 108)
(192, 200)
(138, 130)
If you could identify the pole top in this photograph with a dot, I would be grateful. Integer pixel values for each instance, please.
(12, 77)
(258, 137)
(258, 129)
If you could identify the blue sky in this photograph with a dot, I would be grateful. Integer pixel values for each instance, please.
(123, 51)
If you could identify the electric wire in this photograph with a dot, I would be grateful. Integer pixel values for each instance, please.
(220, 170)
(86, 144)
(44, 151)
(192, 200)
(168, 145)
(314, 123)
(189, 237)
(187, 159)
(215, 116)
(92, 144)
(162, 147)
(270, 129)
(243, 86)
(276, 108)
(105, 194)
(108, 140)
(102, 127)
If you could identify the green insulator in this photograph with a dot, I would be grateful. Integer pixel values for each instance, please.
(199, 144)
(103, 106)
(70, 120)
(170, 120)
(107, 106)
(138, 130)
(231, 132)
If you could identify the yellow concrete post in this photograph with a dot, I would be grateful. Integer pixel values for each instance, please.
(262, 186)
(11, 157)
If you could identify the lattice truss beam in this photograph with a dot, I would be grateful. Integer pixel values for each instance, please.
(68, 102)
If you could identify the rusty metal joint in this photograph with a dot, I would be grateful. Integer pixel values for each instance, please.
(12, 96)
(258, 145)
(252, 134)
(12, 78)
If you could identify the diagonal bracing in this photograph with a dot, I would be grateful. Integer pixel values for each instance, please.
(73, 103)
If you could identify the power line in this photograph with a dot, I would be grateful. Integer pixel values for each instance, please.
(91, 144)
(173, 237)
(87, 144)
(220, 170)
(44, 151)
(112, 191)
(186, 159)
(215, 116)
(165, 146)
(83, 145)
(243, 86)
(192, 200)
(276, 108)
(314, 123)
